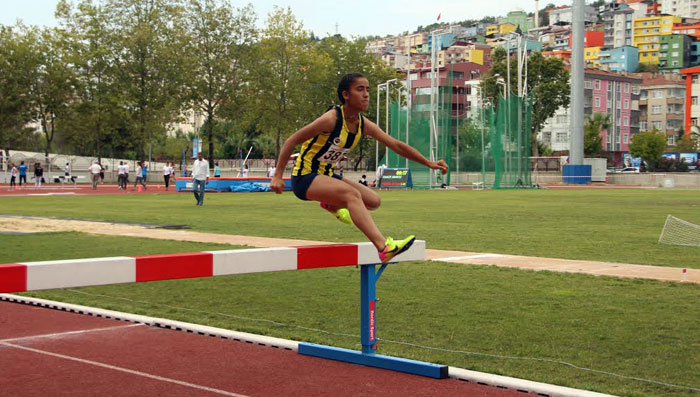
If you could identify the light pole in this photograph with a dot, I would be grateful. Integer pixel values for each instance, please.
(384, 85)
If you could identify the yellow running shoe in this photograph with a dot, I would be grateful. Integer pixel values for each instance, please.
(342, 214)
(392, 248)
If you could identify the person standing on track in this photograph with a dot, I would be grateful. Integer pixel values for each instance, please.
(13, 175)
(200, 177)
(22, 173)
(324, 143)
(95, 174)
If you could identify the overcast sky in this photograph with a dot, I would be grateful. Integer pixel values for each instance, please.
(353, 18)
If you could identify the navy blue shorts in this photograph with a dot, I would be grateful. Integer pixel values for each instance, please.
(300, 184)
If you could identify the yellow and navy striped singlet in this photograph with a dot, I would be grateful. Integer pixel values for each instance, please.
(321, 153)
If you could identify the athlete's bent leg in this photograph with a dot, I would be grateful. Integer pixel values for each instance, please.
(339, 194)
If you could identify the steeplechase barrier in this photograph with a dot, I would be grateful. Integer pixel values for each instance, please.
(32, 276)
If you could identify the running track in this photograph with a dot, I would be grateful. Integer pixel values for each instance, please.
(50, 352)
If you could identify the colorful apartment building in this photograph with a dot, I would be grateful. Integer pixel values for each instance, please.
(682, 8)
(692, 92)
(590, 57)
(647, 33)
(608, 93)
(620, 59)
(674, 52)
(689, 29)
(661, 105)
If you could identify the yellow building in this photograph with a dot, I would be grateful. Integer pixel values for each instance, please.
(506, 28)
(491, 30)
(646, 33)
(591, 57)
(459, 54)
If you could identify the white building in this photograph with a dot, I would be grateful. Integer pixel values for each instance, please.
(555, 132)
(564, 15)
(681, 8)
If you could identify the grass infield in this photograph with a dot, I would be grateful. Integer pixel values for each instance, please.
(535, 325)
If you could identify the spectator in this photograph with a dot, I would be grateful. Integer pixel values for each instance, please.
(144, 173)
(200, 177)
(120, 175)
(66, 171)
(167, 170)
(22, 172)
(38, 175)
(13, 175)
(139, 175)
(363, 180)
(102, 173)
(125, 181)
(95, 174)
(217, 170)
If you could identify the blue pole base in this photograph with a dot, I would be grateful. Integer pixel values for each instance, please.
(374, 360)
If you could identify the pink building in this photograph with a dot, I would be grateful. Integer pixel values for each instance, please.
(618, 96)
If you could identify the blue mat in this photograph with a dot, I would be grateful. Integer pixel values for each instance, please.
(249, 187)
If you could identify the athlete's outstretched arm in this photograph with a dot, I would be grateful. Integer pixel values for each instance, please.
(325, 123)
(401, 148)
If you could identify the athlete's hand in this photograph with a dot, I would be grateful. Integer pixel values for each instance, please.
(277, 185)
(439, 165)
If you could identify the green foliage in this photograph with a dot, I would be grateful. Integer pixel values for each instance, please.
(547, 82)
(687, 144)
(649, 145)
(592, 140)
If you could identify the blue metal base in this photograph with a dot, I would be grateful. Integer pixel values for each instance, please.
(374, 360)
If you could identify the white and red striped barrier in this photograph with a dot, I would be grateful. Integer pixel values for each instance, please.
(31, 276)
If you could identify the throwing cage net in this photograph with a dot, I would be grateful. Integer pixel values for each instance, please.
(491, 144)
(679, 232)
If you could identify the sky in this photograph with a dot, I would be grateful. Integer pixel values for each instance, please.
(323, 17)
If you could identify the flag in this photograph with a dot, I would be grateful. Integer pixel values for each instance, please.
(439, 16)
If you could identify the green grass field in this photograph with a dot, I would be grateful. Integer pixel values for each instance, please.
(619, 336)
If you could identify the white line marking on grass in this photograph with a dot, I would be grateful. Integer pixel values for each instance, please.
(60, 334)
(129, 371)
(459, 258)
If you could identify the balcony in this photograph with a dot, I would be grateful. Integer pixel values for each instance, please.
(675, 100)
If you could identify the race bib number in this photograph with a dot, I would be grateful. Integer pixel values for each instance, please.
(333, 154)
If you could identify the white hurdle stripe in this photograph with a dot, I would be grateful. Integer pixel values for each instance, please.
(31, 276)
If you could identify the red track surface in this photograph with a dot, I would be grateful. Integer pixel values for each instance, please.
(50, 352)
(68, 189)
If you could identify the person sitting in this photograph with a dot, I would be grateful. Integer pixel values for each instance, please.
(363, 180)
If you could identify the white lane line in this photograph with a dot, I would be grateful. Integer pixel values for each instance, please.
(60, 334)
(129, 371)
(459, 258)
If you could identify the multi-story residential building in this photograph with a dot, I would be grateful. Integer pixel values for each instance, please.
(564, 15)
(692, 92)
(608, 93)
(681, 8)
(689, 29)
(462, 52)
(564, 55)
(622, 27)
(414, 41)
(661, 105)
(647, 33)
(694, 53)
(561, 38)
(620, 59)
(674, 52)
(396, 59)
(461, 73)
(591, 39)
(590, 57)
(518, 17)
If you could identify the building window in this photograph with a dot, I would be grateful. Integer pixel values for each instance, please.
(635, 89)
(626, 121)
(642, 125)
(588, 84)
(675, 45)
(671, 140)
(658, 94)
(674, 53)
(626, 139)
(597, 83)
(694, 121)
(694, 100)
(656, 109)
(656, 125)
(597, 101)
(627, 87)
(627, 104)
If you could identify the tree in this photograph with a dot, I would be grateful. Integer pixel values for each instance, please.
(15, 110)
(547, 83)
(286, 78)
(592, 140)
(149, 40)
(51, 88)
(687, 144)
(96, 111)
(649, 145)
(220, 50)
